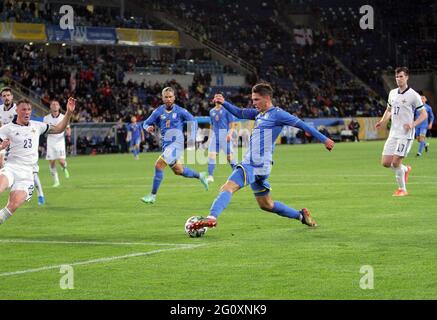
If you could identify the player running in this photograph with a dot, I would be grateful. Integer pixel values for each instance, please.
(135, 135)
(170, 118)
(56, 143)
(20, 138)
(8, 111)
(402, 103)
(255, 168)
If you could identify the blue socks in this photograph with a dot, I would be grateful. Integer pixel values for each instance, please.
(159, 175)
(135, 152)
(421, 146)
(284, 211)
(211, 166)
(190, 173)
(220, 203)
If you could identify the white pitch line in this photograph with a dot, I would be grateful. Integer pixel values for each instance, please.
(100, 260)
(93, 243)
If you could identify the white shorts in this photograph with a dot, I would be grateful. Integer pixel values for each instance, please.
(397, 146)
(56, 151)
(19, 178)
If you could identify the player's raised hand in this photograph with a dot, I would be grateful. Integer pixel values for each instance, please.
(329, 144)
(71, 104)
(150, 129)
(5, 143)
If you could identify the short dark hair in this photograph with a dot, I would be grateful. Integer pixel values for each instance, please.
(5, 89)
(263, 89)
(402, 69)
(26, 101)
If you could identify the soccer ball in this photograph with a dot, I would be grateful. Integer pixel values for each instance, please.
(194, 233)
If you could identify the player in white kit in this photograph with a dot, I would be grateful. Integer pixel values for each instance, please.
(20, 138)
(56, 143)
(401, 106)
(8, 111)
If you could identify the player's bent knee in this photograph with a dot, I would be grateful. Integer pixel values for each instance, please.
(178, 170)
(230, 187)
(386, 164)
(266, 206)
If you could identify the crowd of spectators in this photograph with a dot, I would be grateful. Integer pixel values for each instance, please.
(84, 15)
(319, 89)
(392, 42)
(307, 79)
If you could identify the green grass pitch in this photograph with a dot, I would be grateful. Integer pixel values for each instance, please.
(121, 248)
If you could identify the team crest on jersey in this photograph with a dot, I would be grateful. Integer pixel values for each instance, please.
(404, 101)
(33, 130)
(162, 116)
(266, 116)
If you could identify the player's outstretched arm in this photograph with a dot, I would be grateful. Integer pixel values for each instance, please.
(60, 127)
(287, 119)
(240, 113)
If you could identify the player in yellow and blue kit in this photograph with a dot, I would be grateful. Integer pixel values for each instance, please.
(136, 135)
(170, 119)
(423, 127)
(222, 123)
(255, 168)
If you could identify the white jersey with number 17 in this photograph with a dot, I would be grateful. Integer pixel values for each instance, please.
(403, 105)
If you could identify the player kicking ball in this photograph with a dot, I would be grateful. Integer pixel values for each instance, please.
(21, 140)
(255, 168)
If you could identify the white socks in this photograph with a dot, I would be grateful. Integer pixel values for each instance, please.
(54, 174)
(400, 176)
(4, 215)
(38, 185)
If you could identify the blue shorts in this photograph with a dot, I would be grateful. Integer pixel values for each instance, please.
(217, 145)
(172, 153)
(243, 175)
(421, 132)
(135, 141)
